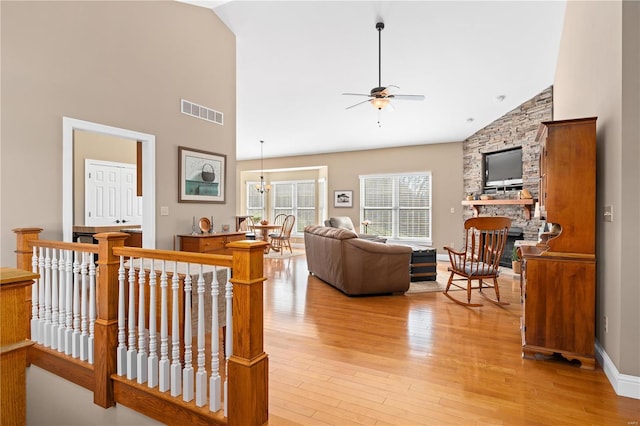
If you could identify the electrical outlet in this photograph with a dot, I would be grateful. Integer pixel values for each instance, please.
(164, 211)
(606, 324)
(453, 210)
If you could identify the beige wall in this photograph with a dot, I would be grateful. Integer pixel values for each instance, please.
(444, 161)
(122, 64)
(597, 75)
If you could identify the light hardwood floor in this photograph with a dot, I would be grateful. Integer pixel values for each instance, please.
(416, 359)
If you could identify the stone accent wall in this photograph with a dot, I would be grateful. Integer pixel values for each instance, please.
(516, 128)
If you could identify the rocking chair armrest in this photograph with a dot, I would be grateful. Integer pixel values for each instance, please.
(453, 252)
(457, 258)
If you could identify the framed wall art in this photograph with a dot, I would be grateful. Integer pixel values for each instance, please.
(201, 176)
(343, 198)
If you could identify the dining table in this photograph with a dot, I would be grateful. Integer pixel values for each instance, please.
(264, 233)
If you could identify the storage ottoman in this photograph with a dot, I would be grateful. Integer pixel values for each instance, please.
(423, 264)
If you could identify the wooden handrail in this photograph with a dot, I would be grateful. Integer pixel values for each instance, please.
(248, 364)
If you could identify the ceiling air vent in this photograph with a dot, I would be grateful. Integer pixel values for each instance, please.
(201, 112)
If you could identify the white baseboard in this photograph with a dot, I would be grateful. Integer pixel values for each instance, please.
(623, 384)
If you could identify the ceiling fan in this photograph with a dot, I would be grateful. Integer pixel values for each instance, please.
(381, 96)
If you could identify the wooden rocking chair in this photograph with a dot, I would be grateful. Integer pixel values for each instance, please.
(485, 239)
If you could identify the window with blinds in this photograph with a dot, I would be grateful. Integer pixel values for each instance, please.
(297, 198)
(398, 205)
(255, 201)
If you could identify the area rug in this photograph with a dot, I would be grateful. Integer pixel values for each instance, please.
(431, 286)
(285, 255)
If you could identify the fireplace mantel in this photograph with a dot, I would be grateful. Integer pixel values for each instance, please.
(525, 203)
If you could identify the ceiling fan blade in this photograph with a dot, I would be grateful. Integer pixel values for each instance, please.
(359, 103)
(408, 97)
(356, 94)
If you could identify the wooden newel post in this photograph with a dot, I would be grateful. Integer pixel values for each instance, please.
(106, 325)
(24, 253)
(249, 364)
(13, 345)
(24, 258)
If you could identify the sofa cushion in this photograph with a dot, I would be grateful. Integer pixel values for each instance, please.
(335, 233)
(343, 222)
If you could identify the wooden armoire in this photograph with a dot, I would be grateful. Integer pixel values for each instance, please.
(559, 273)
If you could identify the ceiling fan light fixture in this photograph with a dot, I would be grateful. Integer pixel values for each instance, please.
(380, 96)
(379, 103)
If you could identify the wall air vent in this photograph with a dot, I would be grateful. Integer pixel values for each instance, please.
(201, 112)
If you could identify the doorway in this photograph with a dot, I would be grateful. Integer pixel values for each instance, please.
(69, 125)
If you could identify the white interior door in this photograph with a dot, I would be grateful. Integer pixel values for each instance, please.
(131, 204)
(110, 194)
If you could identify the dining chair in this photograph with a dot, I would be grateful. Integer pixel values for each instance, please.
(247, 225)
(485, 239)
(283, 238)
(279, 219)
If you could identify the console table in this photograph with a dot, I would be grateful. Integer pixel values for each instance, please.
(134, 231)
(209, 243)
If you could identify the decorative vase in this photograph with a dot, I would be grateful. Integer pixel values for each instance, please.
(264, 222)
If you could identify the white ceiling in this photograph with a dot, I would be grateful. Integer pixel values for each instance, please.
(296, 58)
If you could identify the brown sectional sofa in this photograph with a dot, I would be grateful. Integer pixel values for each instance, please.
(356, 266)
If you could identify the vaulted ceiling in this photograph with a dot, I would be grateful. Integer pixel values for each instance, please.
(473, 61)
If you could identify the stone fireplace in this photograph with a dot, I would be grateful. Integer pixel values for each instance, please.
(516, 128)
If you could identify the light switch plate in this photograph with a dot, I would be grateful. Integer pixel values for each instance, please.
(164, 211)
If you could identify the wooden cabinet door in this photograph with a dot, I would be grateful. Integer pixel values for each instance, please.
(560, 306)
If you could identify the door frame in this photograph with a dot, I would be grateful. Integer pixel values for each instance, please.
(148, 175)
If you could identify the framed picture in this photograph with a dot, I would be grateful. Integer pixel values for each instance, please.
(201, 176)
(343, 198)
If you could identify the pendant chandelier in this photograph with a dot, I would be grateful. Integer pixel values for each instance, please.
(262, 187)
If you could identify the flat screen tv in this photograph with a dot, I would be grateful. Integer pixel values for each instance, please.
(503, 169)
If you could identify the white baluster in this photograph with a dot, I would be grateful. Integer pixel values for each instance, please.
(92, 306)
(142, 335)
(41, 291)
(176, 367)
(187, 371)
(68, 335)
(152, 376)
(163, 367)
(55, 273)
(121, 354)
(62, 293)
(34, 297)
(47, 298)
(201, 375)
(214, 380)
(131, 352)
(84, 325)
(77, 282)
(228, 341)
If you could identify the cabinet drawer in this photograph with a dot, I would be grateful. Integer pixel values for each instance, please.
(209, 245)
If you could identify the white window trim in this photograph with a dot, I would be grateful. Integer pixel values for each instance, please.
(396, 208)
